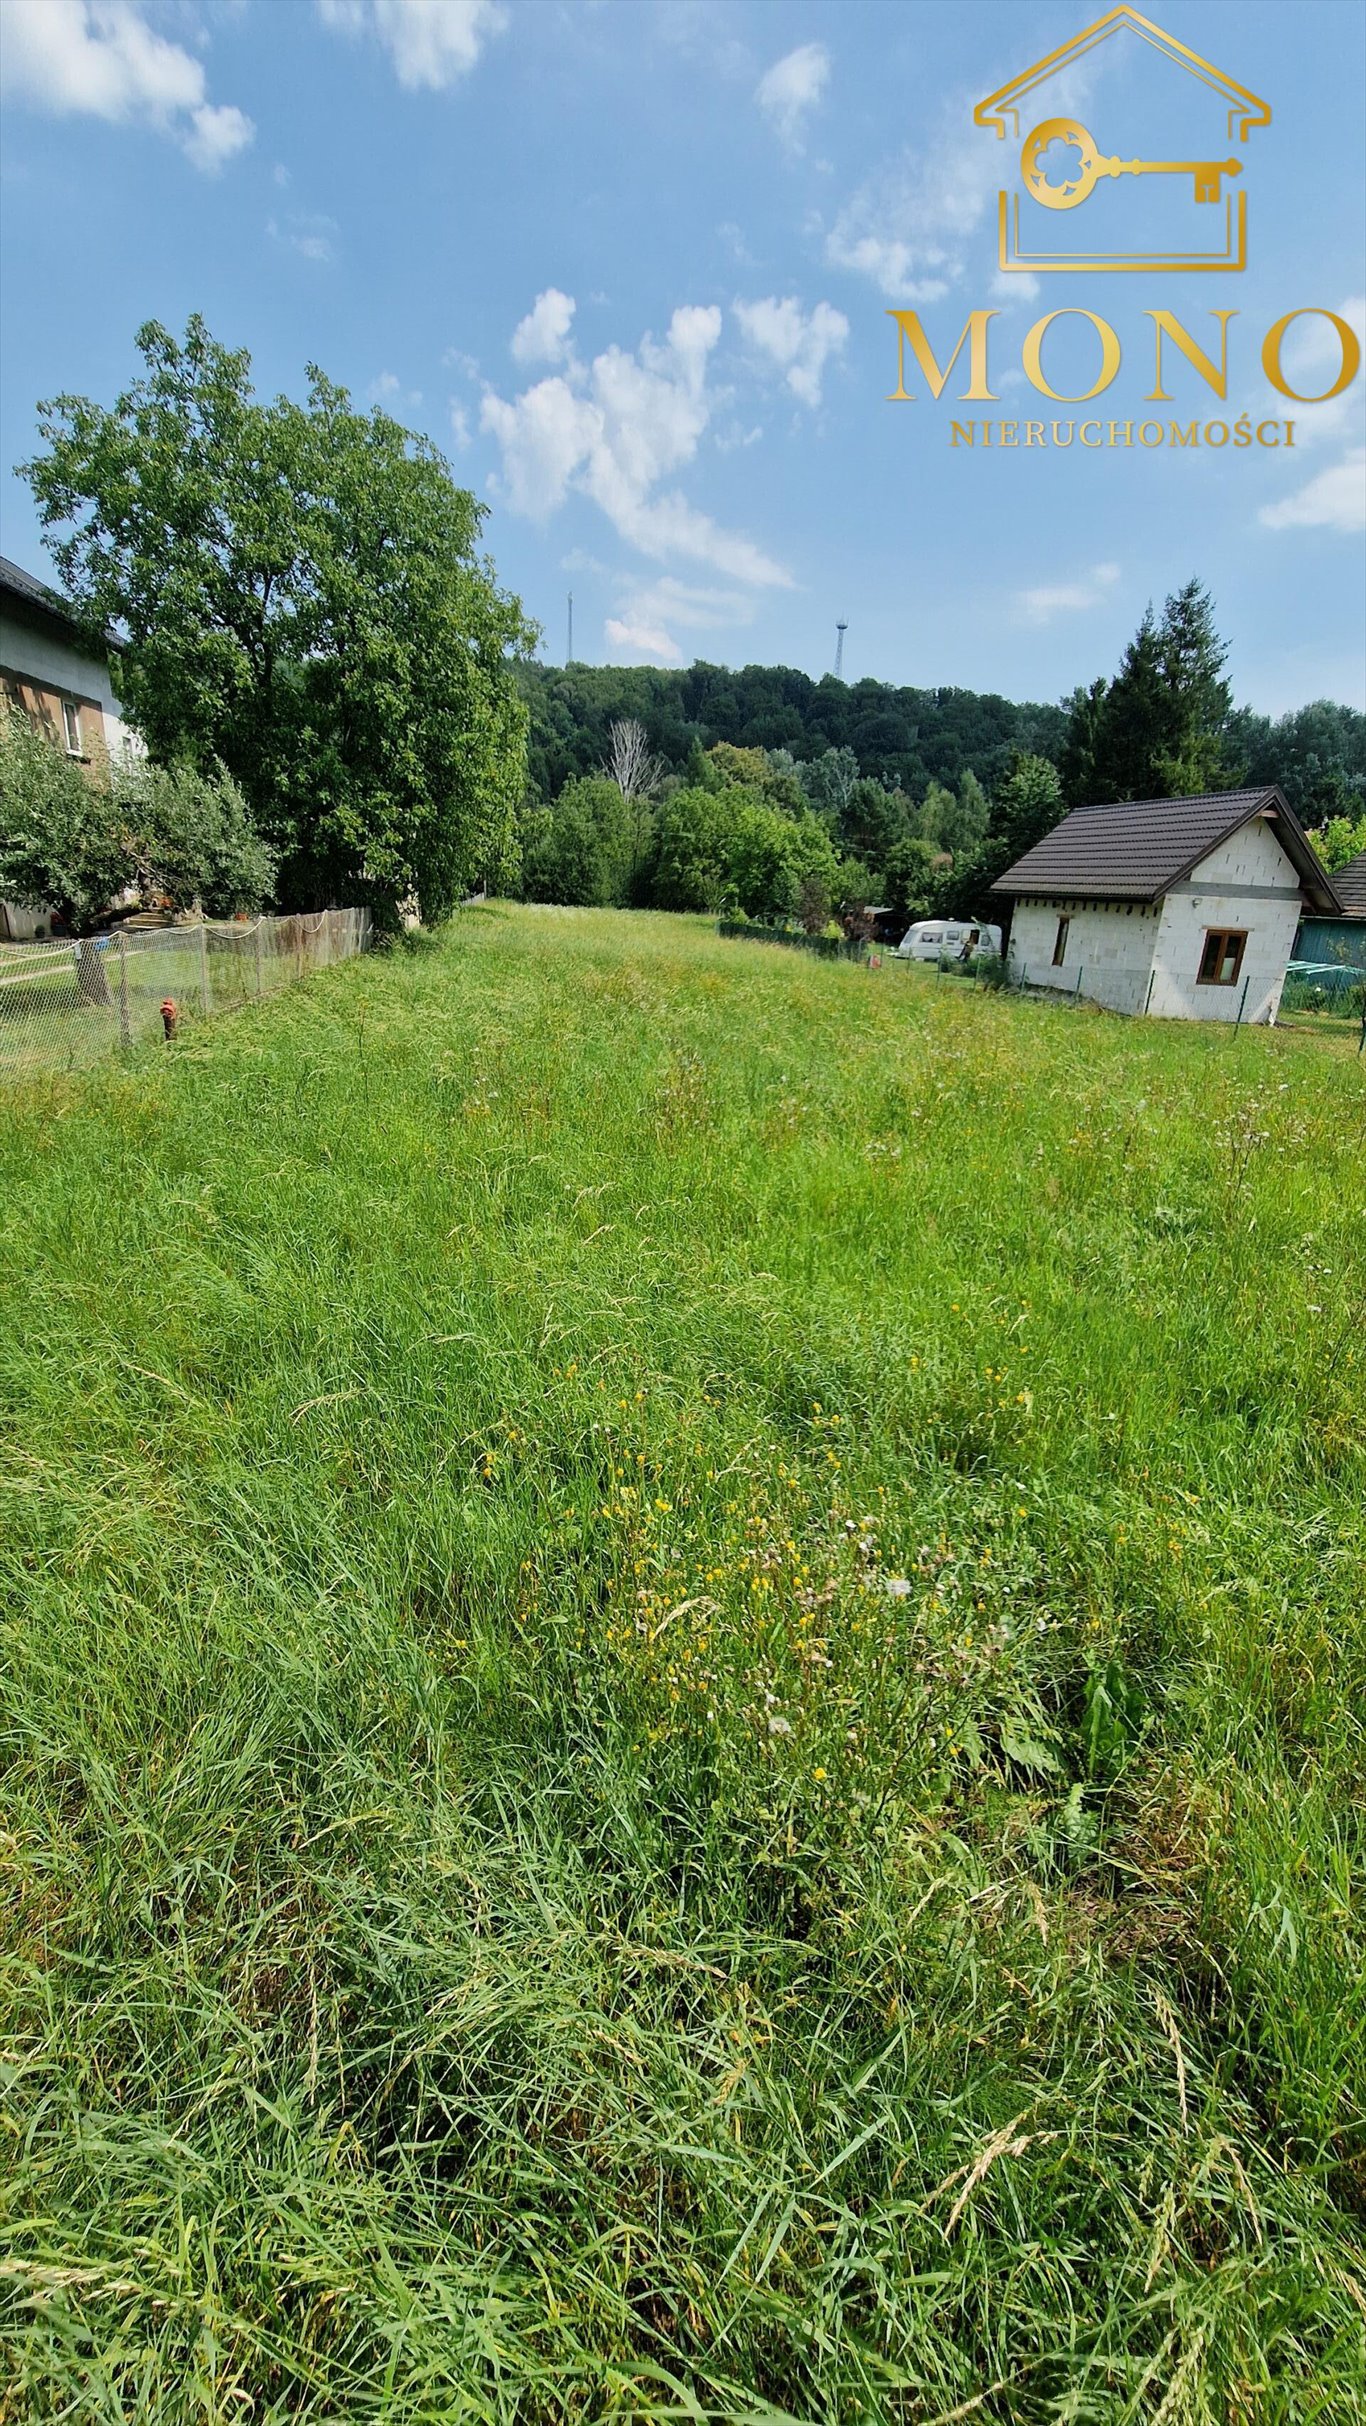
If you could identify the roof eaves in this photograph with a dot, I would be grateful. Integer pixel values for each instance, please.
(1080, 881)
(1312, 871)
(35, 597)
(1248, 809)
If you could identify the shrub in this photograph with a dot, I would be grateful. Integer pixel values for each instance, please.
(189, 838)
(74, 838)
(61, 846)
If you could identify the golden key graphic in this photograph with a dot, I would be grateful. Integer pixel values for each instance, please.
(1065, 196)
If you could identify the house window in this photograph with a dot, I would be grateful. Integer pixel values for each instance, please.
(71, 718)
(1221, 962)
(1060, 942)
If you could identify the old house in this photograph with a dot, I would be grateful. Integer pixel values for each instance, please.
(50, 669)
(1186, 909)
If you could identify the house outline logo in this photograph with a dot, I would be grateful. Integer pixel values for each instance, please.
(1064, 132)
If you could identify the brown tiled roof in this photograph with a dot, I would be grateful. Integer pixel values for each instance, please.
(1136, 850)
(1349, 884)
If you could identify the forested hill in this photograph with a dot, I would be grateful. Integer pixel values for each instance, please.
(901, 737)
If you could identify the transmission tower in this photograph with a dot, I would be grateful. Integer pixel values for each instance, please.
(841, 629)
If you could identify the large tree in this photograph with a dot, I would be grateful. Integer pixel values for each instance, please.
(1025, 807)
(581, 850)
(730, 849)
(1161, 728)
(1317, 754)
(302, 599)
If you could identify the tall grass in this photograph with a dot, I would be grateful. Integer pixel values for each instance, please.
(683, 1692)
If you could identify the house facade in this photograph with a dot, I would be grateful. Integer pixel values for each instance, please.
(1179, 909)
(50, 669)
(1341, 939)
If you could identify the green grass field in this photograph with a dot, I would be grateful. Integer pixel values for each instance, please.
(683, 1695)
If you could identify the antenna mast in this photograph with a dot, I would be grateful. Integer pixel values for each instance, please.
(841, 629)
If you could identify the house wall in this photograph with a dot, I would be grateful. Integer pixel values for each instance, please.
(1108, 956)
(1249, 883)
(51, 669)
(20, 924)
(1332, 939)
(44, 706)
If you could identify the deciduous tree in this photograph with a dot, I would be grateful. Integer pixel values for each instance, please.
(303, 599)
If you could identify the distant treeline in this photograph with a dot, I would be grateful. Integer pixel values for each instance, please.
(763, 792)
(903, 739)
(906, 739)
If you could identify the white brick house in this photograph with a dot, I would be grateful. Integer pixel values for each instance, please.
(1185, 909)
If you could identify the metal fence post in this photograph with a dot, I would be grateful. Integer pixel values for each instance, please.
(204, 968)
(125, 1030)
(258, 959)
(1242, 1003)
(1077, 987)
(1147, 999)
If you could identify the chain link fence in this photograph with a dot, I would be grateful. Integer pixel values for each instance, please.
(1115, 989)
(64, 1005)
(1328, 996)
(824, 947)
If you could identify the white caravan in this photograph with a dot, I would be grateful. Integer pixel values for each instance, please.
(950, 939)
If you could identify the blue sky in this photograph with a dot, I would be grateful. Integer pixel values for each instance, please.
(630, 264)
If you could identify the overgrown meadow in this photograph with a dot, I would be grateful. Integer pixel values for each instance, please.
(683, 1683)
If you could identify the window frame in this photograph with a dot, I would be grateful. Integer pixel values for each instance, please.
(1223, 937)
(71, 723)
(1060, 939)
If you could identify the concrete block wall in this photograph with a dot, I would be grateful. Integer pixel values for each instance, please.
(1109, 945)
(1248, 884)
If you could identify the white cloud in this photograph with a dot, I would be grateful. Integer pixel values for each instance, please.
(704, 30)
(613, 431)
(1068, 597)
(544, 334)
(921, 222)
(1015, 286)
(650, 615)
(309, 234)
(214, 135)
(100, 59)
(461, 432)
(636, 640)
(732, 237)
(431, 42)
(793, 86)
(545, 435)
(799, 343)
(388, 391)
(1335, 499)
